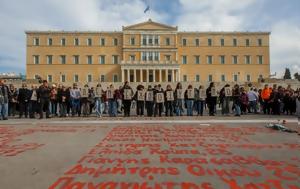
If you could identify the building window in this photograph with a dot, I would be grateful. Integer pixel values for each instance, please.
(167, 57)
(197, 59)
(235, 78)
(49, 59)
(185, 78)
(102, 42)
(89, 59)
(197, 79)
(132, 41)
(156, 40)
(102, 59)
(156, 56)
(76, 59)
(63, 78)
(76, 78)
(248, 78)
(223, 78)
(210, 78)
(222, 42)
(115, 78)
(76, 42)
(89, 42)
(167, 41)
(259, 41)
(144, 40)
(144, 56)
(184, 59)
(260, 59)
(247, 42)
(234, 42)
(49, 41)
(247, 59)
(209, 42)
(132, 57)
(234, 59)
(102, 78)
(115, 42)
(115, 59)
(222, 59)
(36, 41)
(150, 40)
(63, 42)
(183, 42)
(49, 78)
(197, 42)
(209, 59)
(36, 59)
(63, 59)
(89, 78)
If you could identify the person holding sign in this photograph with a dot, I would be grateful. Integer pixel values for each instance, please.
(178, 99)
(98, 100)
(62, 100)
(225, 99)
(127, 94)
(149, 101)
(85, 104)
(211, 98)
(112, 103)
(169, 100)
(189, 100)
(200, 100)
(159, 100)
(140, 99)
(236, 100)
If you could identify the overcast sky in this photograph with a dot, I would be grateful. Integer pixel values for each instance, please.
(281, 17)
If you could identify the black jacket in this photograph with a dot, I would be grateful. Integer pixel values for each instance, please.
(24, 95)
(43, 92)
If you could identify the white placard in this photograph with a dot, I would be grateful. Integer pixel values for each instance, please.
(149, 96)
(140, 95)
(110, 94)
(84, 92)
(214, 92)
(98, 92)
(228, 91)
(159, 97)
(190, 93)
(170, 95)
(127, 94)
(202, 93)
(180, 94)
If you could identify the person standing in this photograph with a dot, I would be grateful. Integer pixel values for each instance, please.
(23, 99)
(211, 100)
(189, 97)
(224, 100)
(44, 99)
(12, 102)
(244, 101)
(4, 96)
(253, 99)
(236, 100)
(33, 102)
(112, 101)
(85, 104)
(62, 101)
(265, 95)
(158, 91)
(140, 105)
(149, 101)
(126, 98)
(75, 100)
(169, 100)
(178, 98)
(99, 100)
(53, 100)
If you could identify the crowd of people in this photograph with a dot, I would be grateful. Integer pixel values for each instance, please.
(62, 101)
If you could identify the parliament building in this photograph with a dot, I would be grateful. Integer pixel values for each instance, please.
(147, 52)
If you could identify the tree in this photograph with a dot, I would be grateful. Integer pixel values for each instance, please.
(287, 74)
(297, 76)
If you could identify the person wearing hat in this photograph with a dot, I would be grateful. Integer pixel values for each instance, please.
(44, 99)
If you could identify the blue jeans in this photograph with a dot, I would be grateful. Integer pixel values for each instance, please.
(252, 105)
(178, 107)
(75, 106)
(98, 107)
(4, 110)
(199, 107)
(189, 107)
(237, 109)
(112, 108)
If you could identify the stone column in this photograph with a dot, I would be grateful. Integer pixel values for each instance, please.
(134, 75)
(160, 79)
(154, 75)
(141, 75)
(123, 75)
(166, 74)
(128, 75)
(179, 75)
(147, 75)
(172, 75)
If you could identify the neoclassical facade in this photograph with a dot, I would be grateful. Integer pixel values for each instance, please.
(147, 52)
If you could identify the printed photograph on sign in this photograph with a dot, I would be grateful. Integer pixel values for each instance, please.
(140, 95)
(202, 93)
(98, 92)
(190, 93)
(214, 92)
(228, 91)
(149, 96)
(85, 92)
(180, 94)
(159, 97)
(110, 94)
(127, 94)
(170, 95)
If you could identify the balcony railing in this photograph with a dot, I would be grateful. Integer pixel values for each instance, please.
(149, 62)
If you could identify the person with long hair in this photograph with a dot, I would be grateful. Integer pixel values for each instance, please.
(211, 100)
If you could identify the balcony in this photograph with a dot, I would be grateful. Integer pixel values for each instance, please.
(148, 62)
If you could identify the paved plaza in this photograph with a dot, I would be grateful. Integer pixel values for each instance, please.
(143, 153)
